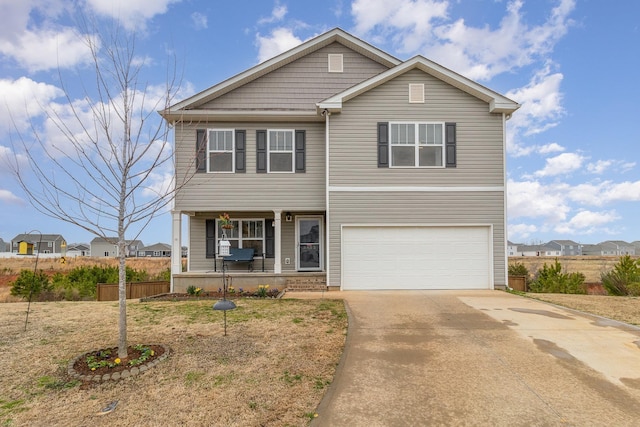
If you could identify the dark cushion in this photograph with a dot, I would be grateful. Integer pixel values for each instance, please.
(239, 255)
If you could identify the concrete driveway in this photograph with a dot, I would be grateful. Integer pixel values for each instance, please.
(489, 358)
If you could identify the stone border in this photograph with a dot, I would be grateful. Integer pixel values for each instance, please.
(129, 372)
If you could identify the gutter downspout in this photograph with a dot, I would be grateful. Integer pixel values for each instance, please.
(326, 115)
(505, 117)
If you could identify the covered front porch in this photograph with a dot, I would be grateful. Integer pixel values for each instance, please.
(285, 248)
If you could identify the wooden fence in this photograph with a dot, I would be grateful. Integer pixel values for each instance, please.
(518, 283)
(109, 291)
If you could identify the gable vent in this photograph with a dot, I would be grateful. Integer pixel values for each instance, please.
(416, 93)
(335, 63)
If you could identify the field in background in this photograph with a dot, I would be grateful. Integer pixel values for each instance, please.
(10, 267)
(591, 266)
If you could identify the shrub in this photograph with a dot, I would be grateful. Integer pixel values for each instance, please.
(624, 279)
(31, 284)
(193, 291)
(551, 279)
(518, 269)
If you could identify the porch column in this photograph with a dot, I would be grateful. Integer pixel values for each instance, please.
(277, 244)
(176, 244)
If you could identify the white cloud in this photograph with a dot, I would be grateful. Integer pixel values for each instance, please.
(541, 110)
(7, 196)
(603, 193)
(424, 26)
(46, 49)
(532, 199)
(521, 231)
(550, 148)
(562, 164)
(600, 166)
(277, 14)
(200, 21)
(23, 99)
(280, 40)
(132, 14)
(587, 222)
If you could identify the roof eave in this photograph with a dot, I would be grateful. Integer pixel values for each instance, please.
(240, 115)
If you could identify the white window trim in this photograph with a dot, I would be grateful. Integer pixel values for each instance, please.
(417, 145)
(239, 239)
(233, 150)
(293, 150)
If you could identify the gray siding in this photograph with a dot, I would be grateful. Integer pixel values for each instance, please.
(250, 191)
(424, 208)
(354, 136)
(300, 84)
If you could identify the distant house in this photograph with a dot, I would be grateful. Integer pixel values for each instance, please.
(4, 246)
(636, 245)
(44, 244)
(512, 248)
(101, 247)
(592, 250)
(566, 247)
(537, 250)
(78, 249)
(157, 250)
(617, 247)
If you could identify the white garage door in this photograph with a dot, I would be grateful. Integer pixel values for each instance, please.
(379, 257)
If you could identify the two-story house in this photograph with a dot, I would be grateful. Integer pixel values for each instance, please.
(338, 161)
(565, 247)
(101, 247)
(40, 243)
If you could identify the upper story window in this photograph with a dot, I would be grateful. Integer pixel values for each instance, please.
(220, 150)
(280, 156)
(416, 144)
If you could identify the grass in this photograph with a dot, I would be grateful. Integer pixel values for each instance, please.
(272, 368)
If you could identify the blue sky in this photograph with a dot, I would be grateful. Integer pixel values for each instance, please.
(572, 160)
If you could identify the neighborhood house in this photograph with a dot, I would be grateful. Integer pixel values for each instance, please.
(342, 166)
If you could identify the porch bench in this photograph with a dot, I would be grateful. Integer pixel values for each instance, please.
(240, 255)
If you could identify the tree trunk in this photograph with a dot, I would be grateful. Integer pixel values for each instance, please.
(122, 298)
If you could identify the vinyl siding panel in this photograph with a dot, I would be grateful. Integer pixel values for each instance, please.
(250, 191)
(300, 84)
(353, 136)
(424, 208)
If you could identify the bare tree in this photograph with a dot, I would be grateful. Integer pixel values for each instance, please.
(100, 172)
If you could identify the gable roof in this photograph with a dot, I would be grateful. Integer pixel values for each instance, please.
(34, 237)
(156, 247)
(497, 103)
(187, 108)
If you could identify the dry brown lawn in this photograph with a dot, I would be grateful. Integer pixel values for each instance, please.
(272, 368)
(624, 309)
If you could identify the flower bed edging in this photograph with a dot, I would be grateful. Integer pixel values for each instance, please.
(129, 372)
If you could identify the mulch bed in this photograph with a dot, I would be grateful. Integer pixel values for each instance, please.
(79, 367)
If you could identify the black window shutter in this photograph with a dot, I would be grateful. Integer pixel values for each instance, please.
(269, 238)
(300, 151)
(201, 151)
(450, 138)
(241, 147)
(210, 238)
(383, 145)
(261, 151)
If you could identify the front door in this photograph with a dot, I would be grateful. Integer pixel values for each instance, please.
(309, 237)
